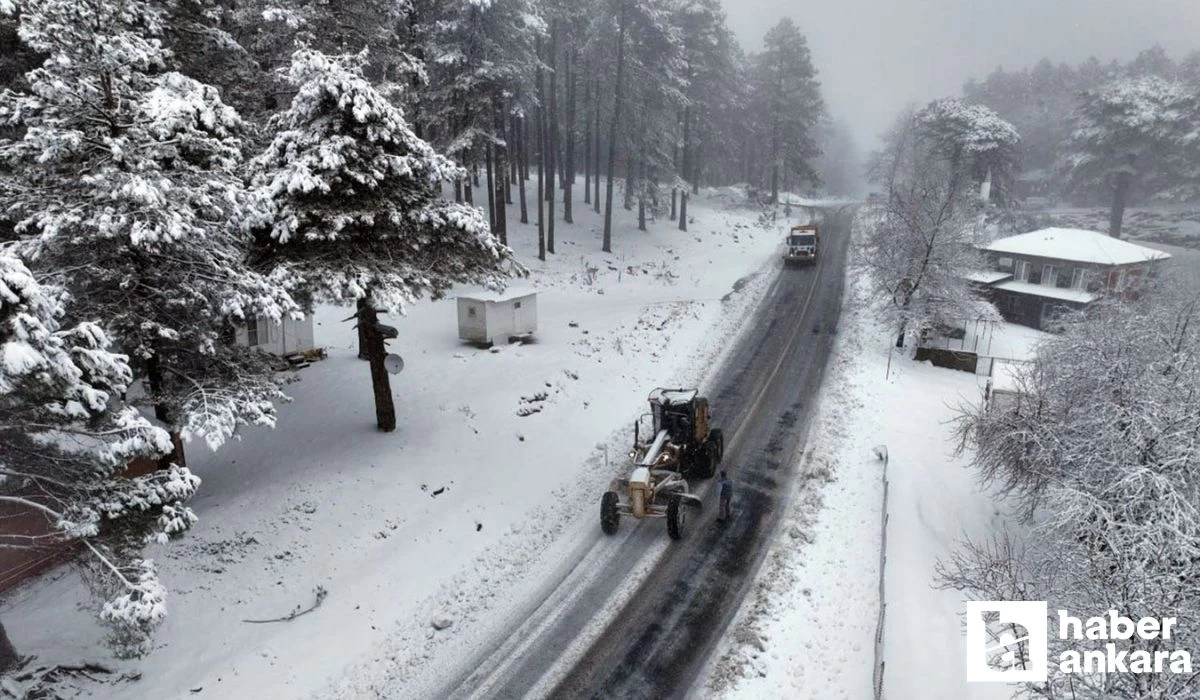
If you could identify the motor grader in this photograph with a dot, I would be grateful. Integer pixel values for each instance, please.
(683, 444)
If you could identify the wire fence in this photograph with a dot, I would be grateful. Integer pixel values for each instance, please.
(882, 453)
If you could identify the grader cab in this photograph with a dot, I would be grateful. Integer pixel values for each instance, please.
(680, 442)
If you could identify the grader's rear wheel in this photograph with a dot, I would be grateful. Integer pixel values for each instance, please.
(609, 517)
(676, 516)
(717, 438)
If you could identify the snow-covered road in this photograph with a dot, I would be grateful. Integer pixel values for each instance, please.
(639, 614)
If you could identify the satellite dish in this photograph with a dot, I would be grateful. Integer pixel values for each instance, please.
(393, 363)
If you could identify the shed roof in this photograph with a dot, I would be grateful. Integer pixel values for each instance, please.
(1076, 245)
(1078, 296)
(506, 294)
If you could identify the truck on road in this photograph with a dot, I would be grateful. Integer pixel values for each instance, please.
(801, 245)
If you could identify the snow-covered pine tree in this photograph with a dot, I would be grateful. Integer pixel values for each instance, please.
(348, 204)
(481, 60)
(787, 92)
(122, 180)
(63, 451)
(1137, 132)
(709, 77)
(974, 142)
(658, 83)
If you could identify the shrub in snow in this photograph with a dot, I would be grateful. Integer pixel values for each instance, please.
(63, 451)
(1099, 450)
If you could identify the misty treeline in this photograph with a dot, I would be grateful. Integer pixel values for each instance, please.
(1097, 452)
(171, 171)
(944, 169)
(1116, 134)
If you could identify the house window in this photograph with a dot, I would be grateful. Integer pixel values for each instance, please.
(1079, 278)
(1116, 280)
(470, 312)
(1005, 263)
(252, 329)
(1021, 273)
(516, 305)
(1049, 275)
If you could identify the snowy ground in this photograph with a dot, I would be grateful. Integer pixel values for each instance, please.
(495, 465)
(809, 628)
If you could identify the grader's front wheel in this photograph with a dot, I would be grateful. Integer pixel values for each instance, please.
(609, 517)
(676, 516)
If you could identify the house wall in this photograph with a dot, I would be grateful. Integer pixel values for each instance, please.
(1101, 279)
(285, 338)
(472, 320)
(1029, 310)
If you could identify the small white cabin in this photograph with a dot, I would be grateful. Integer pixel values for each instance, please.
(483, 317)
(281, 339)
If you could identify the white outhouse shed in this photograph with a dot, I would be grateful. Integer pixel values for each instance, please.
(485, 316)
(282, 339)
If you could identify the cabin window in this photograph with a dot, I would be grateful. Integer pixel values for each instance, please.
(470, 312)
(516, 304)
(1049, 275)
(1021, 272)
(1079, 278)
(1005, 263)
(252, 332)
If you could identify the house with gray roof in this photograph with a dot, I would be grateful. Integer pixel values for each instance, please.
(1033, 276)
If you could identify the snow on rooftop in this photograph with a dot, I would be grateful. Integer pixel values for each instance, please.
(1041, 290)
(508, 293)
(1076, 245)
(987, 276)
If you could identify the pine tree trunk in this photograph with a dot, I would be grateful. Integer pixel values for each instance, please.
(1116, 215)
(541, 155)
(8, 654)
(523, 168)
(674, 197)
(458, 192)
(501, 154)
(510, 154)
(612, 132)
(629, 176)
(468, 189)
(488, 155)
(524, 147)
(683, 199)
(569, 161)
(162, 413)
(363, 351)
(385, 410)
(587, 143)
(695, 178)
(596, 156)
(552, 137)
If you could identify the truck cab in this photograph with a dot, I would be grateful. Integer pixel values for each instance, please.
(801, 246)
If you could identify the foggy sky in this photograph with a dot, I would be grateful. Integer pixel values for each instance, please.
(874, 56)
